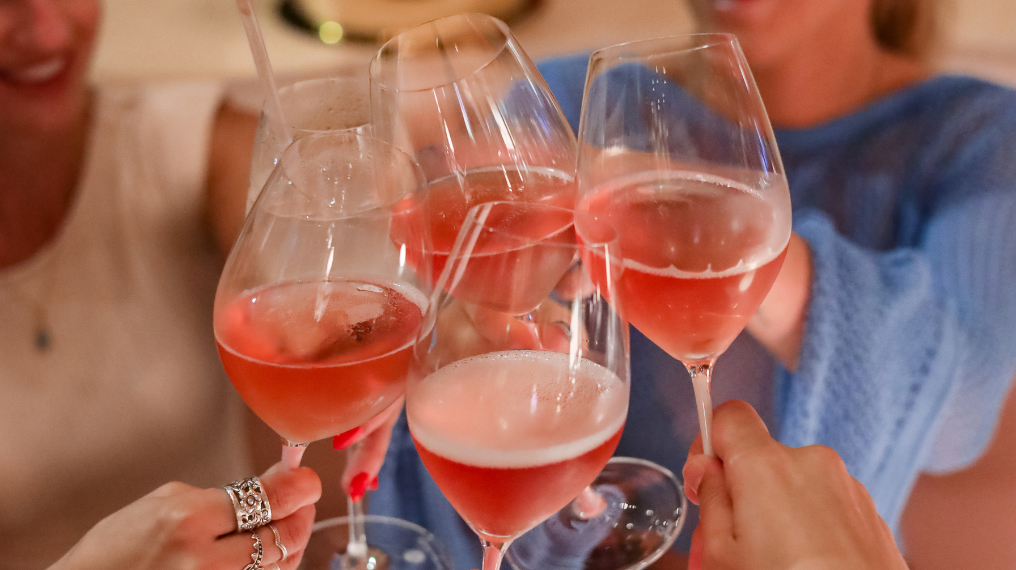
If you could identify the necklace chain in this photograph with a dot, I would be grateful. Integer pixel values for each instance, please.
(38, 304)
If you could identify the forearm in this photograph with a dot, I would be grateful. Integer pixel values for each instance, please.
(779, 322)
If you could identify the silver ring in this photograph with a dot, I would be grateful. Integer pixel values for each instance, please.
(278, 542)
(250, 504)
(259, 553)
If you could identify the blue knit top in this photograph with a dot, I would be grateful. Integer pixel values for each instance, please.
(909, 208)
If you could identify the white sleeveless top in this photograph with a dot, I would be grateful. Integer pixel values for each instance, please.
(129, 393)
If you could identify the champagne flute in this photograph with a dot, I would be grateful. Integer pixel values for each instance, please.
(678, 157)
(310, 106)
(513, 418)
(316, 310)
(460, 96)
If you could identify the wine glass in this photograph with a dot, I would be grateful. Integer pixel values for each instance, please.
(316, 311)
(407, 546)
(643, 515)
(460, 96)
(512, 416)
(677, 157)
(316, 105)
(310, 106)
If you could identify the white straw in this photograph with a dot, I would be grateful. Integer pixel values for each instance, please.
(264, 68)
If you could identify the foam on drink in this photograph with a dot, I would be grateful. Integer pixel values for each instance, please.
(729, 227)
(517, 409)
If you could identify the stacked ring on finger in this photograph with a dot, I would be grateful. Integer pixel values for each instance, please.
(278, 542)
(259, 553)
(250, 504)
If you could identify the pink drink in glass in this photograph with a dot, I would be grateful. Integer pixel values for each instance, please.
(526, 239)
(313, 359)
(512, 437)
(701, 253)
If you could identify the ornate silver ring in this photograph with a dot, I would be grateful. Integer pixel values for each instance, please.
(250, 504)
(259, 553)
(278, 542)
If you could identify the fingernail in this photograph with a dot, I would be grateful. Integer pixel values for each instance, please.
(358, 486)
(373, 484)
(343, 440)
(693, 473)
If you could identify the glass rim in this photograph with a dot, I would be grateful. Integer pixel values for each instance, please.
(610, 52)
(508, 39)
(292, 150)
(289, 89)
(309, 80)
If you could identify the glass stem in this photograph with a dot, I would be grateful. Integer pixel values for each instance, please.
(588, 504)
(357, 547)
(292, 453)
(701, 376)
(493, 553)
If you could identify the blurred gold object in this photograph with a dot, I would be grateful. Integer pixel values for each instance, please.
(379, 20)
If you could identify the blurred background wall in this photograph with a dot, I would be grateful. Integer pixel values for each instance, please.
(145, 40)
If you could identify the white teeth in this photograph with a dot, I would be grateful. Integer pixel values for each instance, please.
(40, 73)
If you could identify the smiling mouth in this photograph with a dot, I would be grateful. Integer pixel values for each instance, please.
(36, 74)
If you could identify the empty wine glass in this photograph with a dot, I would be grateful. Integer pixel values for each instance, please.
(310, 106)
(460, 96)
(677, 157)
(514, 417)
(316, 311)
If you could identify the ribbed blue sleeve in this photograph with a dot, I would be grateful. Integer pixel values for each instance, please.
(907, 354)
(972, 247)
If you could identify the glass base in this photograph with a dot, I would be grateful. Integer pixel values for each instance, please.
(645, 508)
(394, 544)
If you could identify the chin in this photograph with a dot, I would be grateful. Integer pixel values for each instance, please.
(53, 106)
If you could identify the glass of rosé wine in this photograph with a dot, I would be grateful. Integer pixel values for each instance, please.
(513, 417)
(460, 96)
(677, 157)
(316, 312)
